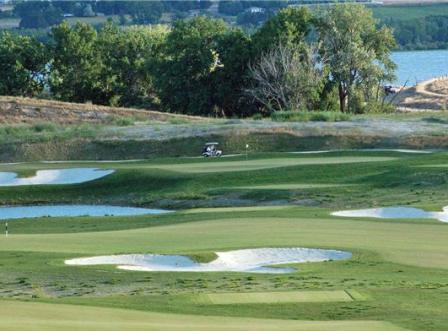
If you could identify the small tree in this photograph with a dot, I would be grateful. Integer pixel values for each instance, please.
(287, 78)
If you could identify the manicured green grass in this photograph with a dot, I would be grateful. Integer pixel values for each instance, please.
(418, 243)
(16, 316)
(397, 277)
(273, 297)
(230, 166)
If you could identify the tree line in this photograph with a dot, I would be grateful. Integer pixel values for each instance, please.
(420, 33)
(43, 14)
(201, 66)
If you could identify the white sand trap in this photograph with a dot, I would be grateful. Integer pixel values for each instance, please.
(73, 211)
(54, 176)
(244, 260)
(394, 212)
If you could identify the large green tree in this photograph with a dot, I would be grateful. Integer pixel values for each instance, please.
(127, 56)
(190, 56)
(231, 77)
(77, 65)
(23, 63)
(355, 52)
(288, 27)
(203, 69)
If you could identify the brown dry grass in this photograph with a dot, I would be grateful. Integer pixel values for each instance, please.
(15, 110)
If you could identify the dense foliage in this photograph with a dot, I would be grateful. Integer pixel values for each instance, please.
(22, 65)
(202, 66)
(106, 67)
(355, 53)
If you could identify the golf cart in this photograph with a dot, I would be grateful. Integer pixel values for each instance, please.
(210, 150)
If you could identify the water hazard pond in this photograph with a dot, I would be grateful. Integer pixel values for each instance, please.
(17, 212)
(54, 176)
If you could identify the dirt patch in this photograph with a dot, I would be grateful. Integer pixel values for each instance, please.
(430, 95)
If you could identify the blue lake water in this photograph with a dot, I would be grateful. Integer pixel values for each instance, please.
(416, 66)
(73, 211)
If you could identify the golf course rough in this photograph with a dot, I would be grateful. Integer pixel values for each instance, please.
(243, 260)
(274, 297)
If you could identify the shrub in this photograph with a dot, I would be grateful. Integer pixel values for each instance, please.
(41, 127)
(120, 121)
(257, 117)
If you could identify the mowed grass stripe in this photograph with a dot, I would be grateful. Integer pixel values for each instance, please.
(207, 166)
(236, 209)
(26, 316)
(274, 297)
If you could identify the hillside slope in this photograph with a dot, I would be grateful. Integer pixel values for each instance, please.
(27, 110)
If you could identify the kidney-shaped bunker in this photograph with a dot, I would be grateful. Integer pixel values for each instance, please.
(244, 260)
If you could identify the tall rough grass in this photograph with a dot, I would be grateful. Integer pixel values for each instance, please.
(45, 131)
(304, 116)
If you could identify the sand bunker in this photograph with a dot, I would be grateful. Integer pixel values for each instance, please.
(55, 176)
(395, 212)
(72, 211)
(244, 260)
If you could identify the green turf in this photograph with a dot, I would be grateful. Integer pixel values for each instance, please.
(230, 166)
(15, 316)
(397, 276)
(418, 243)
(274, 297)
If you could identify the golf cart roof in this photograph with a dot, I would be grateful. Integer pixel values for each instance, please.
(211, 144)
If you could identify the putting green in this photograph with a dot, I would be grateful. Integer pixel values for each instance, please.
(274, 297)
(419, 244)
(25, 316)
(226, 166)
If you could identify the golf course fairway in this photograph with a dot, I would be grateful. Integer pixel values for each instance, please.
(393, 278)
(46, 317)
